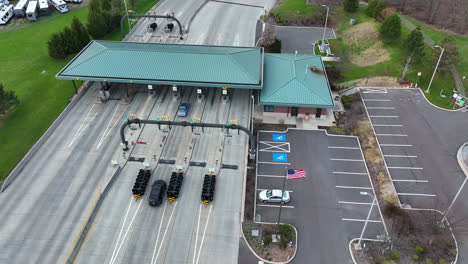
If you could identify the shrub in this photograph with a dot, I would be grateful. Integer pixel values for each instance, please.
(267, 240)
(441, 261)
(287, 232)
(390, 30)
(419, 249)
(429, 261)
(395, 255)
(8, 99)
(275, 47)
(351, 5)
(283, 243)
(415, 257)
(347, 101)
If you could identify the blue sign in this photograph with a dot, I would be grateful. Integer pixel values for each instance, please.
(279, 137)
(281, 157)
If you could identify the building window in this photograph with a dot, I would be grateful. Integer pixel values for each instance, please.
(268, 108)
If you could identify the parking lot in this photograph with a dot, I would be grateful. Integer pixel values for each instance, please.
(419, 143)
(326, 207)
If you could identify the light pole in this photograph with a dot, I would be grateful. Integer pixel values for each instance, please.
(437, 65)
(359, 246)
(126, 11)
(282, 197)
(325, 28)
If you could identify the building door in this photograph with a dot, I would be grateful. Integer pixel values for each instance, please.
(294, 111)
(318, 112)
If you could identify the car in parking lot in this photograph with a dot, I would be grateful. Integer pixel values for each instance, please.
(157, 193)
(183, 109)
(274, 196)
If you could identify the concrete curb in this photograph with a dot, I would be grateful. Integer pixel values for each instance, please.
(461, 161)
(427, 100)
(40, 142)
(351, 248)
(84, 232)
(194, 15)
(266, 261)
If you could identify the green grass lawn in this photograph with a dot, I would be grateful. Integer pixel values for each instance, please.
(295, 9)
(30, 72)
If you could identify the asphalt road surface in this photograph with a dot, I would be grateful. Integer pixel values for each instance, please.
(420, 143)
(326, 207)
(301, 39)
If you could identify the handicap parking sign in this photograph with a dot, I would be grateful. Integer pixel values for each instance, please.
(279, 137)
(281, 157)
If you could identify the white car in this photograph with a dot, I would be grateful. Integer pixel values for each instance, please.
(274, 196)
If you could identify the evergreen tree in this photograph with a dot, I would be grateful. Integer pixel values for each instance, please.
(374, 8)
(8, 99)
(80, 32)
(413, 46)
(351, 5)
(97, 25)
(390, 30)
(55, 46)
(70, 40)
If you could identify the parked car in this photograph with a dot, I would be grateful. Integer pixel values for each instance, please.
(274, 196)
(183, 109)
(157, 193)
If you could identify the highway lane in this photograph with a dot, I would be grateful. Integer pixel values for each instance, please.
(43, 208)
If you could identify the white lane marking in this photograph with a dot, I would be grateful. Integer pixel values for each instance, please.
(276, 206)
(396, 180)
(159, 232)
(196, 235)
(165, 232)
(417, 194)
(276, 163)
(361, 220)
(204, 233)
(391, 135)
(406, 168)
(358, 203)
(273, 146)
(122, 228)
(383, 116)
(78, 132)
(107, 131)
(126, 233)
(400, 156)
(353, 187)
(347, 159)
(396, 145)
(260, 189)
(271, 176)
(377, 100)
(374, 90)
(332, 147)
(344, 172)
(376, 107)
(384, 125)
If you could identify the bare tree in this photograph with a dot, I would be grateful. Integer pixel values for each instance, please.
(268, 35)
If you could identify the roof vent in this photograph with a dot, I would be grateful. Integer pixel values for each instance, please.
(315, 70)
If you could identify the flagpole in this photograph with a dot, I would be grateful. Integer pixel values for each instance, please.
(282, 197)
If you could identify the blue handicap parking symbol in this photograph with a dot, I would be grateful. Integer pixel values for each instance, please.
(279, 137)
(281, 157)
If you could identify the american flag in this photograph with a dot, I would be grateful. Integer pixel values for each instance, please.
(296, 174)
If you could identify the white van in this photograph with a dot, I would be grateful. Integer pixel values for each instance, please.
(31, 11)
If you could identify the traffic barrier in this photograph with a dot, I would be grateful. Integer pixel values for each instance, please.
(209, 184)
(141, 183)
(175, 184)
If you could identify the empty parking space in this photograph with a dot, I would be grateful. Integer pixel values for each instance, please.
(335, 197)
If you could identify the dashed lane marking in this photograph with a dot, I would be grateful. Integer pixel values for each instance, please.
(333, 147)
(271, 176)
(276, 206)
(400, 156)
(391, 135)
(384, 125)
(377, 100)
(261, 189)
(384, 116)
(396, 145)
(276, 163)
(357, 203)
(376, 107)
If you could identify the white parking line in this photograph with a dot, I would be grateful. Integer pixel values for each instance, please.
(347, 160)
(344, 172)
(357, 203)
(276, 163)
(271, 176)
(400, 156)
(387, 108)
(260, 189)
(383, 116)
(410, 180)
(384, 125)
(418, 194)
(353, 187)
(377, 100)
(332, 147)
(391, 135)
(276, 206)
(361, 220)
(396, 145)
(406, 168)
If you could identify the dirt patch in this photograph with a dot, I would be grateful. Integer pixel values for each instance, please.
(365, 46)
(379, 81)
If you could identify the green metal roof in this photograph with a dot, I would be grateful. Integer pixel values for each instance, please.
(213, 66)
(295, 80)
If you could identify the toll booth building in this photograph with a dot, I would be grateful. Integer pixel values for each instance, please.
(286, 88)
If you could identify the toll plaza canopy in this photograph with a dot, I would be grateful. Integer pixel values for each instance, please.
(151, 63)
